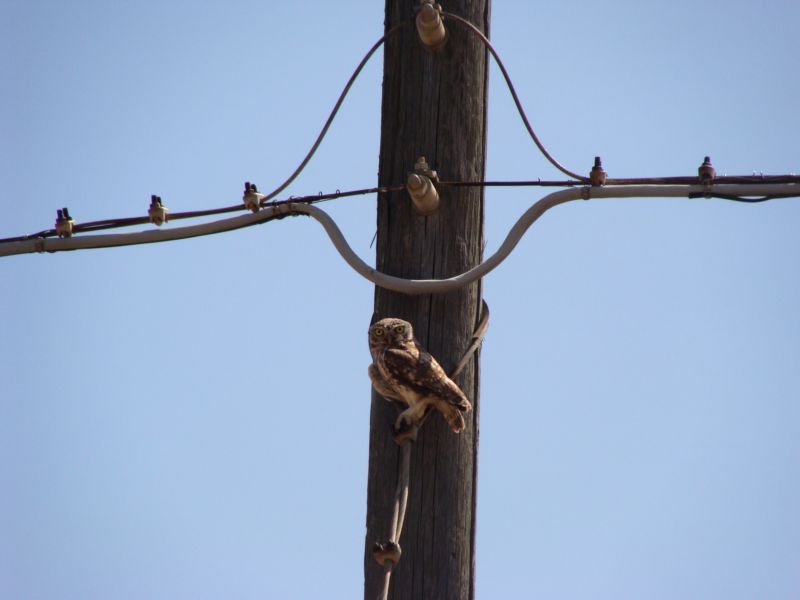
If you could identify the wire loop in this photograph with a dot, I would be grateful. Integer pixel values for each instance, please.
(391, 31)
(471, 27)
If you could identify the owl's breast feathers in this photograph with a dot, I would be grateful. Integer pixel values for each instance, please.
(416, 376)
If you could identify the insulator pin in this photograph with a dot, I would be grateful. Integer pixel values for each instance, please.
(157, 212)
(706, 171)
(64, 223)
(597, 176)
(252, 199)
(430, 25)
(421, 189)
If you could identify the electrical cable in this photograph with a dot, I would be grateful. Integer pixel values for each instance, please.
(676, 180)
(739, 189)
(320, 197)
(578, 179)
(131, 221)
(141, 220)
(581, 178)
(388, 554)
(514, 95)
(398, 284)
(399, 507)
(39, 242)
(736, 198)
(336, 107)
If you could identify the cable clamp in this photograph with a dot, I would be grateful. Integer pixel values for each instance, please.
(252, 199)
(157, 212)
(430, 25)
(419, 184)
(64, 223)
(390, 551)
(586, 193)
(285, 209)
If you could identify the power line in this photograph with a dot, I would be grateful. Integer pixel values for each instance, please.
(578, 180)
(132, 221)
(471, 27)
(409, 286)
(324, 131)
(116, 223)
(755, 188)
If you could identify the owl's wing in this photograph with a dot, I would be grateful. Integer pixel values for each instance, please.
(425, 376)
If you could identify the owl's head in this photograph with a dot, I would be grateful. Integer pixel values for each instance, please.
(390, 332)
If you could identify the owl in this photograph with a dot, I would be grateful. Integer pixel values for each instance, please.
(404, 372)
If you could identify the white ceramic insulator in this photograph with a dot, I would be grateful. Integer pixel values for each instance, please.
(430, 26)
(423, 194)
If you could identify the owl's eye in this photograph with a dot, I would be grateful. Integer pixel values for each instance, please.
(400, 329)
(377, 332)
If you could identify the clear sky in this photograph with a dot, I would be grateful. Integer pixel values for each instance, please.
(190, 420)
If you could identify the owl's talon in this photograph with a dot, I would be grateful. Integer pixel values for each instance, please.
(406, 431)
(401, 423)
(390, 551)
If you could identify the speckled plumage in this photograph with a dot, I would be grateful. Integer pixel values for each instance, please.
(403, 371)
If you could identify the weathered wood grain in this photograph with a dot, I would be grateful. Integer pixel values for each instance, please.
(434, 105)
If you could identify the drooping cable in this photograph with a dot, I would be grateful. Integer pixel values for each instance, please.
(391, 31)
(471, 27)
(126, 222)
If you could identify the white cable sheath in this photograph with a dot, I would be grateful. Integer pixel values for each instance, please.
(398, 284)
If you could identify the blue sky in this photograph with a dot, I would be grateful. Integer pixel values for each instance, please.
(190, 419)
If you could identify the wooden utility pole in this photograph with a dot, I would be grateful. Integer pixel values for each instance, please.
(434, 105)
